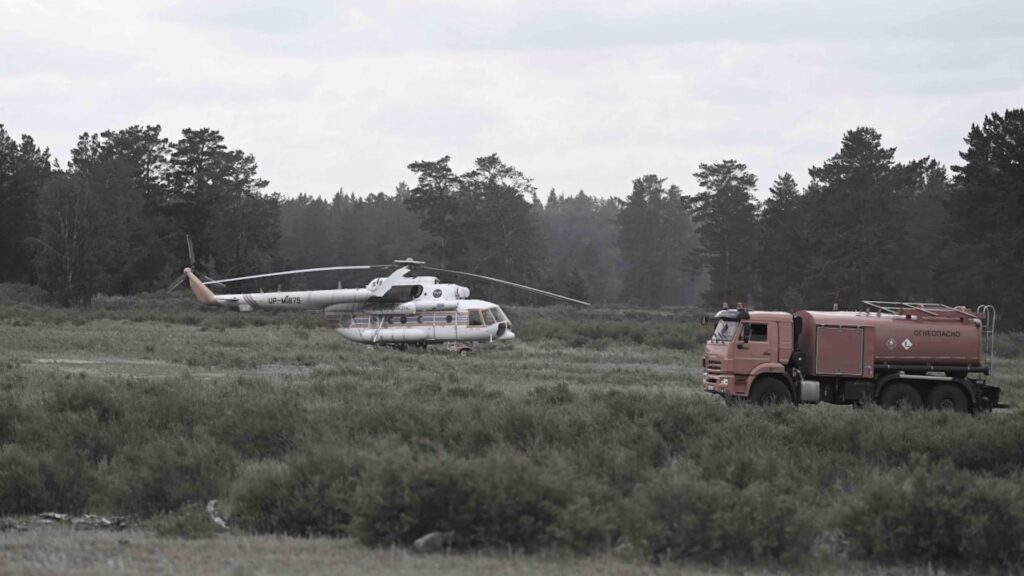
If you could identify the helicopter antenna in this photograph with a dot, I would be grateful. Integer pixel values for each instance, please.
(513, 284)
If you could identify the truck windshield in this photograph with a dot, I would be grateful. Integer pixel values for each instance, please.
(725, 331)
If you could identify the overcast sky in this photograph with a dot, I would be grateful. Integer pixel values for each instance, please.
(579, 94)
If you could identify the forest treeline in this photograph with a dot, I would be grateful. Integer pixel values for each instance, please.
(113, 220)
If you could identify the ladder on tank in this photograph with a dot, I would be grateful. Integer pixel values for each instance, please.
(988, 332)
(932, 309)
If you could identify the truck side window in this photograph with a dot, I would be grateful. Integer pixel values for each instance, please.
(758, 332)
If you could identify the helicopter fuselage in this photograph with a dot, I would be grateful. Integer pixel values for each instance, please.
(393, 310)
(459, 321)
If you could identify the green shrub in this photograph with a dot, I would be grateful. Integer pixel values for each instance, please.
(1009, 345)
(310, 494)
(514, 501)
(401, 498)
(599, 327)
(188, 522)
(257, 423)
(113, 302)
(556, 395)
(937, 513)
(32, 482)
(12, 293)
(591, 520)
(502, 499)
(679, 516)
(8, 416)
(80, 395)
(167, 473)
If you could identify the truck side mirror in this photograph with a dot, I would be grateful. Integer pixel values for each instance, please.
(746, 333)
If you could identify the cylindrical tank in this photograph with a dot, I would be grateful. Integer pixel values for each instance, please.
(953, 340)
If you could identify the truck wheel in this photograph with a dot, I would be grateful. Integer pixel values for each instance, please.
(901, 396)
(770, 391)
(948, 397)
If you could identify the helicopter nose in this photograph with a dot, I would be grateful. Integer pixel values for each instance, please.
(507, 335)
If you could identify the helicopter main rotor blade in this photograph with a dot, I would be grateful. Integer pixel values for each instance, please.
(191, 252)
(303, 271)
(513, 284)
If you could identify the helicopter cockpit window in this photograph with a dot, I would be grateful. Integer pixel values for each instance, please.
(489, 318)
(475, 318)
(499, 314)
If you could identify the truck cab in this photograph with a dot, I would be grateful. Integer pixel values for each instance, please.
(746, 348)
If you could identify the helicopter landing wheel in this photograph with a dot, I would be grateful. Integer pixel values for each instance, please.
(460, 349)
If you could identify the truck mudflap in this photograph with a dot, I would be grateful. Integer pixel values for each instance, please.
(989, 398)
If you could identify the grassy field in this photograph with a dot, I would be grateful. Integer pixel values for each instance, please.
(585, 446)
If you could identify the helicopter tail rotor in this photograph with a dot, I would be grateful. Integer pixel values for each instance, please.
(191, 265)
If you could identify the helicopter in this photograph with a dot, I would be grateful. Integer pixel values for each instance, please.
(397, 310)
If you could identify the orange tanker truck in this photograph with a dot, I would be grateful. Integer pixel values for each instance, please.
(899, 354)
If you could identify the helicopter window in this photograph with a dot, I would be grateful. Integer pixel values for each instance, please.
(448, 318)
(475, 318)
(404, 320)
(437, 292)
(391, 319)
(499, 314)
(419, 319)
(489, 318)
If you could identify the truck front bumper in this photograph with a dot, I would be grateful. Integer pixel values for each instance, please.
(723, 383)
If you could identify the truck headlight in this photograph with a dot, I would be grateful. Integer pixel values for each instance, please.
(725, 381)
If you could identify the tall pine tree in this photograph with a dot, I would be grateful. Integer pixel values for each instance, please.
(986, 207)
(725, 213)
(782, 249)
(855, 224)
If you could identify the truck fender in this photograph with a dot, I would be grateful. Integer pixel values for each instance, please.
(773, 369)
(919, 380)
(884, 381)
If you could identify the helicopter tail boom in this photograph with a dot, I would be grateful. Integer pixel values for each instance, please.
(203, 294)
